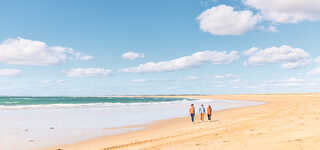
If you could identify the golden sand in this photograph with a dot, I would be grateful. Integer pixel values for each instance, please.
(285, 122)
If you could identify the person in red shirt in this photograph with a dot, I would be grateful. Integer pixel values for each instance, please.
(209, 112)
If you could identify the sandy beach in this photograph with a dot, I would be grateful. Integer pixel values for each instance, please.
(286, 121)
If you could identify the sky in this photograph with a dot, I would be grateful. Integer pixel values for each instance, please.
(98, 48)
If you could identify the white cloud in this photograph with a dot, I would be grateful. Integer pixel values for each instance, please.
(45, 81)
(149, 80)
(295, 80)
(60, 81)
(139, 80)
(83, 72)
(191, 78)
(132, 55)
(272, 29)
(229, 75)
(224, 20)
(314, 71)
(21, 51)
(84, 57)
(317, 60)
(214, 57)
(235, 81)
(287, 11)
(9, 72)
(290, 58)
(52, 81)
(251, 51)
(219, 76)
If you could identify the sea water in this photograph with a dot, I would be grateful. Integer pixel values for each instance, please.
(36, 122)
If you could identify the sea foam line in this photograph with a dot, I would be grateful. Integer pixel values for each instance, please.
(88, 105)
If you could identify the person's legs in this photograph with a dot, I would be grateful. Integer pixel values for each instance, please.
(201, 117)
(209, 117)
(192, 117)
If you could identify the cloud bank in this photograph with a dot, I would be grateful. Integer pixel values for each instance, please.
(85, 72)
(225, 20)
(290, 58)
(132, 55)
(9, 72)
(196, 59)
(21, 51)
(287, 11)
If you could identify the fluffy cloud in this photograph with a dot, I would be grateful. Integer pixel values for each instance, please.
(52, 81)
(314, 71)
(21, 51)
(132, 55)
(251, 51)
(229, 75)
(272, 29)
(191, 78)
(317, 60)
(289, 57)
(149, 80)
(83, 72)
(9, 72)
(224, 20)
(140, 80)
(83, 57)
(287, 11)
(214, 57)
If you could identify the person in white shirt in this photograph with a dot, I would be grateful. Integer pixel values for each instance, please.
(202, 111)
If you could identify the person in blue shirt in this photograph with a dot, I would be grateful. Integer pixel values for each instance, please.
(202, 111)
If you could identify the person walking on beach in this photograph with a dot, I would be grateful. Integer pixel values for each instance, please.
(209, 112)
(202, 111)
(192, 112)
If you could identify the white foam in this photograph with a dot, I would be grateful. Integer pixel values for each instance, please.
(88, 105)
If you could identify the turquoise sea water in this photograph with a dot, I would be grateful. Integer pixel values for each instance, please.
(18, 101)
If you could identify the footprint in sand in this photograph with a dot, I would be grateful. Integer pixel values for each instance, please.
(298, 140)
(31, 141)
(260, 133)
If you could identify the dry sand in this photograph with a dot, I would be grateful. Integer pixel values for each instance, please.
(285, 122)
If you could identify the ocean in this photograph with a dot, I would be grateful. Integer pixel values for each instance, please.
(37, 122)
(45, 102)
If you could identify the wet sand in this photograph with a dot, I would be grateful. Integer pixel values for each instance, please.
(286, 121)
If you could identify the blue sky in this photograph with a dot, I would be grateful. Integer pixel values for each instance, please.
(96, 48)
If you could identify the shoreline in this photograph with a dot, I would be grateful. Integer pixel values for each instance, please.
(42, 127)
(285, 121)
(154, 125)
